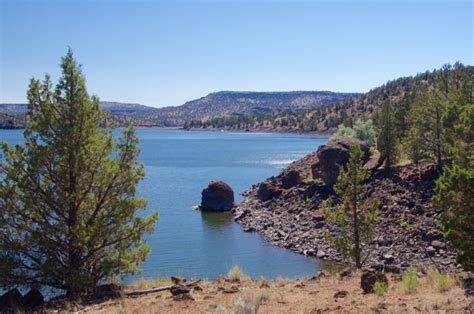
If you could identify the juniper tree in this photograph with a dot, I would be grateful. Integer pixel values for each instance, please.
(68, 205)
(354, 220)
(386, 137)
(454, 189)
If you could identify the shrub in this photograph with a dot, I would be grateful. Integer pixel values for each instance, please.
(380, 288)
(236, 274)
(441, 281)
(248, 303)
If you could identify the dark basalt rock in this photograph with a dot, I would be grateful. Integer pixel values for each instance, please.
(217, 197)
(334, 155)
(267, 191)
(179, 289)
(368, 279)
(290, 179)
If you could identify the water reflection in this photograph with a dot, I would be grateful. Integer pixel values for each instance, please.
(216, 221)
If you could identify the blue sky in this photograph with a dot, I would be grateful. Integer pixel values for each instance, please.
(165, 53)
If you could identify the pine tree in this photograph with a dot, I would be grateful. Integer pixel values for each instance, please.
(427, 132)
(386, 138)
(354, 221)
(68, 200)
(454, 190)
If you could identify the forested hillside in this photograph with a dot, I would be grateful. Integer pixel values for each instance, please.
(327, 118)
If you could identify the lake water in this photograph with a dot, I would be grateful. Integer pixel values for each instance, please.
(178, 165)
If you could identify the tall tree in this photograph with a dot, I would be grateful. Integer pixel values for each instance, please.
(387, 135)
(454, 189)
(426, 117)
(68, 205)
(355, 222)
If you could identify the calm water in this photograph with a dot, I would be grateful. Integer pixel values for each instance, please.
(178, 166)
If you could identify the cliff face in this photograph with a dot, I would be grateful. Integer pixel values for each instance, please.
(407, 235)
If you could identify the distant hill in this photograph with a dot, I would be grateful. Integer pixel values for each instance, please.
(326, 118)
(210, 106)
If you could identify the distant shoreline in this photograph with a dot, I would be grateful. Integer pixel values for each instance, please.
(256, 130)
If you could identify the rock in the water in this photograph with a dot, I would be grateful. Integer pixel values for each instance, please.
(11, 301)
(290, 179)
(218, 196)
(267, 191)
(368, 279)
(33, 299)
(334, 155)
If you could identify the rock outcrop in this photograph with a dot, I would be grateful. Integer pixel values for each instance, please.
(334, 155)
(217, 197)
(408, 234)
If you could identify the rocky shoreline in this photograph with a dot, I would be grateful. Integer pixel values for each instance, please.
(285, 211)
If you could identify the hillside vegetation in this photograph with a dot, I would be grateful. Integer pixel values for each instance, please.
(327, 118)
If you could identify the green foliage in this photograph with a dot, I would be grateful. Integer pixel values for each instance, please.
(386, 134)
(355, 222)
(454, 189)
(363, 130)
(380, 288)
(410, 280)
(345, 131)
(68, 195)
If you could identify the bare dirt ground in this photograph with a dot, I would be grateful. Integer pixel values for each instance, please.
(328, 294)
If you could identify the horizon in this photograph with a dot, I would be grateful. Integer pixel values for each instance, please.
(162, 54)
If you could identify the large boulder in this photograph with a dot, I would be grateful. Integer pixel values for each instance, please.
(217, 197)
(267, 191)
(334, 155)
(290, 179)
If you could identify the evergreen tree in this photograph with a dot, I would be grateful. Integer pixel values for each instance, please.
(68, 200)
(355, 222)
(454, 190)
(427, 131)
(386, 137)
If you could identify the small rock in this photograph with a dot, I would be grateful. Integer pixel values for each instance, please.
(430, 251)
(320, 254)
(346, 272)
(232, 289)
(341, 294)
(433, 234)
(438, 244)
(388, 258)
(179, 289)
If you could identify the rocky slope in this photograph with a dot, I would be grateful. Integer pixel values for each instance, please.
(286, 212)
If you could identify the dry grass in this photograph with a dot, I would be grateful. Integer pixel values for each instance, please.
(237, 275)
(142, 283)
(300, 296)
